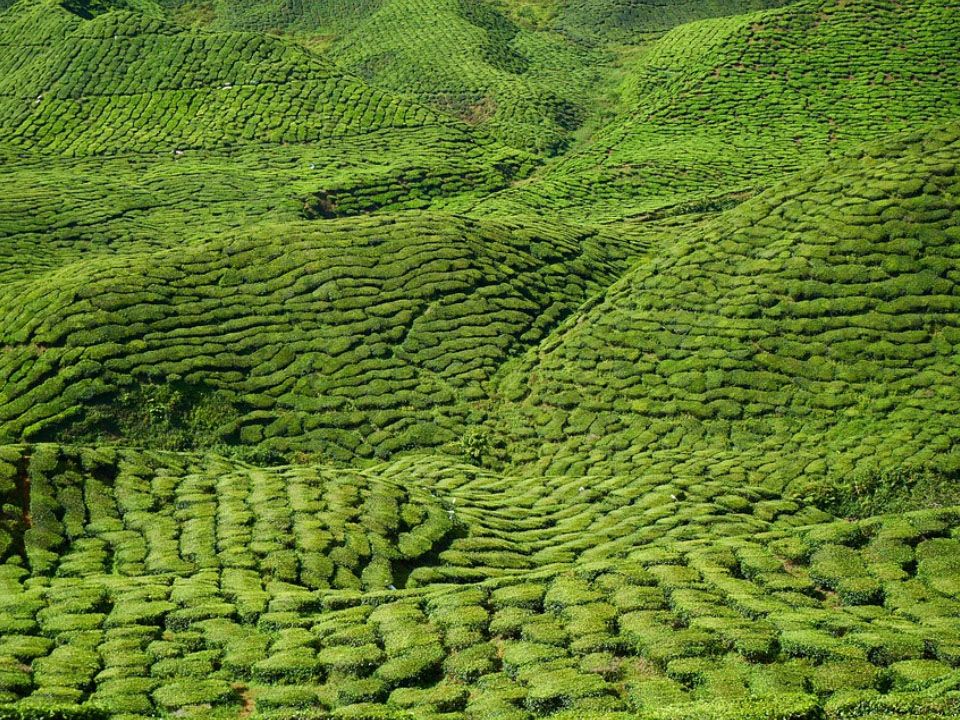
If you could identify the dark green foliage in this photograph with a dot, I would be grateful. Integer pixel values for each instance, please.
(875, 491)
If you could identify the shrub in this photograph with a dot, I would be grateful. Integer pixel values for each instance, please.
(193, 692)
(885, 646)
(198, 664)
(286, 696)
(413, 665)
(358, 660)
(468, 664)
(785, 707)
(915, 674)
(298, 665)
(528, 596)
(842, 675)
(879, 490)
(815, 644)
(545, 630)
(367, 690)
(54, 712)
(519, 655)
(841, 568)
(566, 591)
(630, 598)
(443, 697)
(552, 690)
(510, 621)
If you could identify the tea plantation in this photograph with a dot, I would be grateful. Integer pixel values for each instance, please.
(487, 359)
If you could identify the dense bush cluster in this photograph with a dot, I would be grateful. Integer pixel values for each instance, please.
(819, 319)
(191, 585)
(327, 394)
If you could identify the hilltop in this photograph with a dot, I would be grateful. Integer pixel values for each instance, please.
(487, 360)
(720, 107)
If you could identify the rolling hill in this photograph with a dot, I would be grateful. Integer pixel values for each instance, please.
(819, 318)
(488, 360)
(347, 339)
(725, 105)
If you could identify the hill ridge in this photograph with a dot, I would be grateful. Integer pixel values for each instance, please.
(488, 360)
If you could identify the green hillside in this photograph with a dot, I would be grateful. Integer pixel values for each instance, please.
(126, 133)
(726, 105)
(629, 20)
(124, 81)
(819, 318)
(487, 360)
(344, 339)
(527, 87)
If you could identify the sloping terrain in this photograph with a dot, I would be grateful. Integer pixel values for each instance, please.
(625, 20)
(820, 318)
(344, 339)
(501, 359)
(725, 105)
(124, 81)
(123, 132)
(527, 87)
(530, 89)
(54, 211)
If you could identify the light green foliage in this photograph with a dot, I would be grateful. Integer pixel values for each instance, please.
(684, 629)
(503, 359)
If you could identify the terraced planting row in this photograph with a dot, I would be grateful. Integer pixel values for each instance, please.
(56, 213)
(169, 593)
(326, 16)
(349, 339)
(733, 103)
(123, 82)
(820, 318)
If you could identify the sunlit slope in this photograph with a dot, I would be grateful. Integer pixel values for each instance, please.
(127, 82)
(53, 212)
(324, 17)
(172, 585)
(530, 89)
(632, 20)
(123, 133)
(530, 72)
(815, 327)
(732, 103)
(347, 338)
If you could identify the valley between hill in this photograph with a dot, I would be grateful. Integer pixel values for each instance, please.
(507, 359)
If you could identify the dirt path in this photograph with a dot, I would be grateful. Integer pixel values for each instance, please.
(247, 704)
